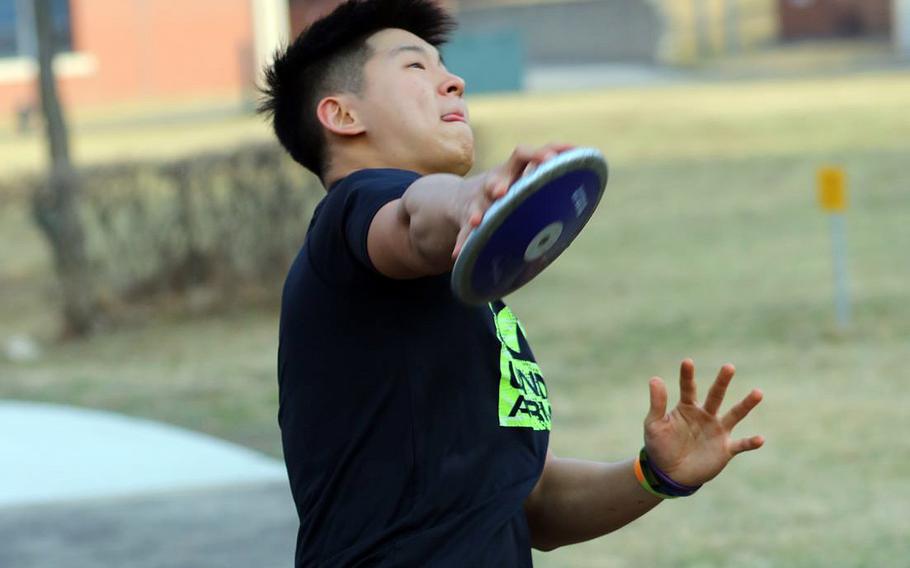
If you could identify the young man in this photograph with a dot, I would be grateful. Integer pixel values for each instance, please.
(415, 428)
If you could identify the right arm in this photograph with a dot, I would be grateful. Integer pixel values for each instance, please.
(422, 233)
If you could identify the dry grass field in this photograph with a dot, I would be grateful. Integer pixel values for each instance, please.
(709, 244)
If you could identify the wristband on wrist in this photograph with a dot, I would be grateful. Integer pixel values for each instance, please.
(656, 482)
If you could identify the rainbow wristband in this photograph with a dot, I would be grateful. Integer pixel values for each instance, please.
(656, 482)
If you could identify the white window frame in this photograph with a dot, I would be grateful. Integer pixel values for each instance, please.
(69, 64)
(24, 68)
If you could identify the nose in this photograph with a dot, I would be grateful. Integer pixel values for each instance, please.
(453, 85)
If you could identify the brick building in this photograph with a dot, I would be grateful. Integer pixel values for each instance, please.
(125, 50)
(120, 50)
(305, 12)
(801, 19)
(602, 30)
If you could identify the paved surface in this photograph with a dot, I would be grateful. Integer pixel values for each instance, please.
(242, 526)
(50, 453)
(85, 489)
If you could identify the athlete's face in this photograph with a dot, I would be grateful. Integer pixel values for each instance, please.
(413, 108)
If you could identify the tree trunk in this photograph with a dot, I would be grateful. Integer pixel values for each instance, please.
(55, 202)
(702, 27)
(731, 26)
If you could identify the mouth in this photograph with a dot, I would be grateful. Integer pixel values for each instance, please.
(454, 117)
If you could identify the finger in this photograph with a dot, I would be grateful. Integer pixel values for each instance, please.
(525, 153)
(551, 151)
(741, 410)
(517, 169)
(747, 444)
(518, 163)
(719, 389)
(473, 221)
(477, 208)
(519, 158)
(542, 155)
(538, 158)
(460, 240)
(503, 183)
(658, 400)
(523, 157)
(556, 148)
(495, 186)
(561, 147)
(687, 392)
(522, 152)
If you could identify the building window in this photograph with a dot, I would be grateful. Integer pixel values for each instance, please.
(17, 27)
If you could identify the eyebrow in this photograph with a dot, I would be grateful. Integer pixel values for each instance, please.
(417, 48)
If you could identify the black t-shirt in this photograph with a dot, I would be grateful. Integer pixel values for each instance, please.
(414, 426)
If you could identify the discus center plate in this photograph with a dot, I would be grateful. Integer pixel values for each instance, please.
(544, 241)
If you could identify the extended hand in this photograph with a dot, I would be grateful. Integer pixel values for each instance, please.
(691, 444)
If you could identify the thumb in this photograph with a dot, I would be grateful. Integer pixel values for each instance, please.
(658, 400)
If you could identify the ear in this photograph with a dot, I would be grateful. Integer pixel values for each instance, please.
(338, 116)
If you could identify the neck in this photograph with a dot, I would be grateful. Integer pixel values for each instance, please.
(358, 155)
(340, 170)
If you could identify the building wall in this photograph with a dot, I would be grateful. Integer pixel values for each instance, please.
(901, 27)
(305, 12)
(834, 18)
(601, 30)
(133, 49)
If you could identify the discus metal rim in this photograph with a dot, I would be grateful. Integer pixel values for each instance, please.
(590, 159)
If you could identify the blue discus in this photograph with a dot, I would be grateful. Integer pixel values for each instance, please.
(524, 231)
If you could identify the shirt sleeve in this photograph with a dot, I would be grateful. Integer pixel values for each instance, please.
(337, 239)
(369, 194)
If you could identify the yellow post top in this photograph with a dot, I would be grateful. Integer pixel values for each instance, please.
(832, 189)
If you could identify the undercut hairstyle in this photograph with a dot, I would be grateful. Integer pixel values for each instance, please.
(328, 58)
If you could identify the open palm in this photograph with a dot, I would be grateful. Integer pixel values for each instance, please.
(692, 444)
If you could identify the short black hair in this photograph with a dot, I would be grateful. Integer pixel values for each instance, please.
(328, 57)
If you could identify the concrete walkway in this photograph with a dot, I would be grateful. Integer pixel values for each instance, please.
(81, 488)
(251, 526)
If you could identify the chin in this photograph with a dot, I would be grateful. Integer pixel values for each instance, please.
(453, 158)
(462, 160)
(464, 166)
(458, 167)
(458, 163)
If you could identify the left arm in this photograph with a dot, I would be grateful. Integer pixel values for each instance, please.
(575, 501)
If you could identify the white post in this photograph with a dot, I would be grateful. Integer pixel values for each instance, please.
(841, 289)
(901, 26)
(271, 28)
(832, 196)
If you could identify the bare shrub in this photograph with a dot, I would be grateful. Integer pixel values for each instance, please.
(220, 222)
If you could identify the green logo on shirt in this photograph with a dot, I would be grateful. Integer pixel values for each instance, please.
(523, 401)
